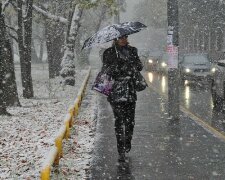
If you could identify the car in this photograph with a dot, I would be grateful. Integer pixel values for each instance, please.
(218, 85)
(162, 66)
(151, 62)
(195, 67)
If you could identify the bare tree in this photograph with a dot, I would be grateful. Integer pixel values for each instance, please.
(24, 40)
(54, 29)
(8, 88)
(73, 39)
(54, 42)
(68, 66)
(34, 55)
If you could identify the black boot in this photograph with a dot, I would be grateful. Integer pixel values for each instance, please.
(120, 143)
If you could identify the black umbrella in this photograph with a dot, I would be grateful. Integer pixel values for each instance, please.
(114, 31)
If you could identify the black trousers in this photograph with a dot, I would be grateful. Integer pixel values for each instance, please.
(124, 114)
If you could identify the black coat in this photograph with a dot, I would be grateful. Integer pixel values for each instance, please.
(122, 67)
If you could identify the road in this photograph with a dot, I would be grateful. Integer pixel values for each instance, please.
(162, 149)
(194, 97)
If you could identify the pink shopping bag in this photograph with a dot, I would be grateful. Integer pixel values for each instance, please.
(103, 83)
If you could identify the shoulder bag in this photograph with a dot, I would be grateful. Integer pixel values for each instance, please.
(140, 83)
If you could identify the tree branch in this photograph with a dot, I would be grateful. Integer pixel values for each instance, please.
(12, 36)
(13, 29)
(49, 15)
(5, 5)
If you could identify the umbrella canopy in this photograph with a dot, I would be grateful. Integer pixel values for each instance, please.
(114, 31)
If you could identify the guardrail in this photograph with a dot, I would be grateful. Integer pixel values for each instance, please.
(56, 151)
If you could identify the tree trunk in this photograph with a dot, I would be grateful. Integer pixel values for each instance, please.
(82, 55)
(55, 40)
(27, 44)
(68, 66)
(49, 45)
(41, 53)
(8, 88)
(10, 78)
(34, 56)
(24, 40)
(59, 41)
(2, 66)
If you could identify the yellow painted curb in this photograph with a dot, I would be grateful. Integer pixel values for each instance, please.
(64, 132)
(59, 139)
(76, 107)
(50, 160)
(67, 124)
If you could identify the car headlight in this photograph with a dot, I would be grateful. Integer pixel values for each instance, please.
(150, 61)
(187, 70)
(213, 70)
(163, 64)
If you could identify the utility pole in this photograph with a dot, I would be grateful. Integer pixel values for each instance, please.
(172, 49)
(117, 16)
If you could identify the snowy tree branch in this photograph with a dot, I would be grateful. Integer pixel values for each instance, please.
(13, 29)
(5, 5)
(49, 15)
(14, 37)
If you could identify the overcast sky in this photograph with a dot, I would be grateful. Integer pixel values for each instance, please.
(128, 16)
(139, 39)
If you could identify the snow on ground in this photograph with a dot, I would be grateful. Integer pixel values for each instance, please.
(28, 135)
(77, 158)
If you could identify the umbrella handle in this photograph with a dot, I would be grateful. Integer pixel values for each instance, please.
(116, 52)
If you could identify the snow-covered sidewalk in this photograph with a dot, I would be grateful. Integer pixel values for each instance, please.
(27, 136)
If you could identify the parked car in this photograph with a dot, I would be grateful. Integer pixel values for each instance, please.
(162, 65)
(218, 85)
(195, 67)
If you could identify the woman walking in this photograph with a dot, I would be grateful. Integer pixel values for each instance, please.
(121, 62)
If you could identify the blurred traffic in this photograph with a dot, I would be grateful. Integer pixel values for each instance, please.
(195, 70)
(193, 67)
(196, 67)
(195, 98)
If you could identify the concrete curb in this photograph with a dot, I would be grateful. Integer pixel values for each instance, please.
(56, 152)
